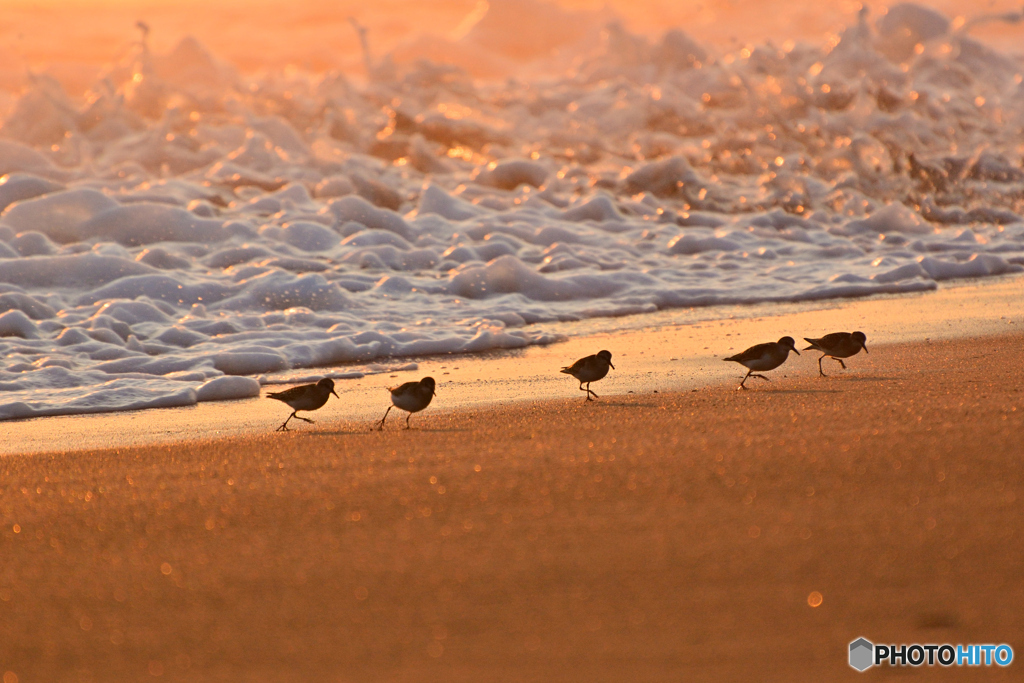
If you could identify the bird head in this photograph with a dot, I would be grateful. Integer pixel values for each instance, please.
(328, 384)
(428, 383)
(789, 344)
(606, 356)
(861, 339)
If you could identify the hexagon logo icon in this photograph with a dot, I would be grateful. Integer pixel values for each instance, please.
(861, 654)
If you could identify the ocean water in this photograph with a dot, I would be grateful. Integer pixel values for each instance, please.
(186, 232)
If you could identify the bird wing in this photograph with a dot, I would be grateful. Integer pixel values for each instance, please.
(290, 394)
(830, 341)
(403, 388)
(753, 352)
(578, 365)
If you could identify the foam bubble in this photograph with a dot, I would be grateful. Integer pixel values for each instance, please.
(188, 229)
(228, 388)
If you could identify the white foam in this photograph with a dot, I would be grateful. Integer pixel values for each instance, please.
(228, 388)
(173, 242)
(14, 323)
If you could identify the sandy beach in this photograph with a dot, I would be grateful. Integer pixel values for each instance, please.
(203, 203)
(653, 537)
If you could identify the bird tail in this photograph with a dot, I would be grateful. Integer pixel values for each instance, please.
(567, 371)
(730, 358)
(813, 345)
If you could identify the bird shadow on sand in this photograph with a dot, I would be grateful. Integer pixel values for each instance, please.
(329, 432)
(373, 430)
(862, 378)
(388, 429)
(618, 404)
(772, 390)
(430, 430)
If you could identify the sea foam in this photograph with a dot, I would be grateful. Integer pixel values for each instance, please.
(166, 240)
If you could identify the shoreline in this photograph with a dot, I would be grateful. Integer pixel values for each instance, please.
(665, 351)
(647, 536)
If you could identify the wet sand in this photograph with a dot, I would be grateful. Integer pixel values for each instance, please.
(675, 350)
(644, 537)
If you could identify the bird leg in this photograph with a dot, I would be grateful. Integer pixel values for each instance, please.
(750, 373)
(284, 425)
(840, 362)
(589, 392)
(380, 425)
(407, 421)
(819, 367)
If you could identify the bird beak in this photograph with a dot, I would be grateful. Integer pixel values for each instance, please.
(795, 351)
(610, 364)
(865, 347)
(335, 395)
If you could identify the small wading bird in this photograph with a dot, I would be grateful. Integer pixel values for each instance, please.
(590, 369)
(411, 397)
(306, 397)
(837, 346)
(764, 357)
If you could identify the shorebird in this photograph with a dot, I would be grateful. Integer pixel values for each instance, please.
(837, 346)
(590, 369)
(764, 357)
(306, 397)
(411, 397)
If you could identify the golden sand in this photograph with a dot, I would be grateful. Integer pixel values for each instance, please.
(644, 537)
